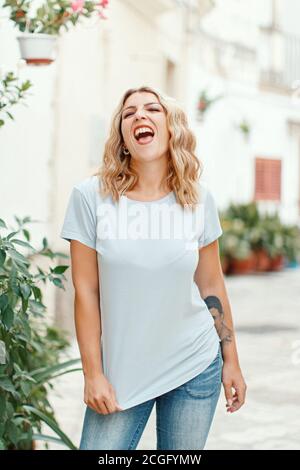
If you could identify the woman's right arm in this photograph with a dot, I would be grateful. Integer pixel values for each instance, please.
(98, 392)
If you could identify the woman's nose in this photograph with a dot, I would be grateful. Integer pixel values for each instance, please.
(140, 113)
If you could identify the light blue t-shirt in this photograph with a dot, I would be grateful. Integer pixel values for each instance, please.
(157, 332)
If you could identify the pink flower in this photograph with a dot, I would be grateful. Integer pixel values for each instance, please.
(102, 15)
(77, 5)
(103, 3)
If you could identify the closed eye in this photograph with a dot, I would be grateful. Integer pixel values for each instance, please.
(150, 109)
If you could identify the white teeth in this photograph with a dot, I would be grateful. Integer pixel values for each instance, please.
(142, 129)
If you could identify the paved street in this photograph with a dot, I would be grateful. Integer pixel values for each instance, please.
(266, 313)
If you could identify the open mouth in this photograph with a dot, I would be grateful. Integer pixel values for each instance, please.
(144, 135)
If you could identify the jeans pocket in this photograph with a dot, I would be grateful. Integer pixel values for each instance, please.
(208, 381)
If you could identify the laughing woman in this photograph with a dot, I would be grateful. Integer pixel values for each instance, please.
(152, 316)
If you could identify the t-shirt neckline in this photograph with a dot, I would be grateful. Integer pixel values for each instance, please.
(149, 202)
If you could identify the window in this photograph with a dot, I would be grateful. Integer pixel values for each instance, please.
(267, 179)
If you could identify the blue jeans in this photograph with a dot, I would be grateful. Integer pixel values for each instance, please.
(183, 417)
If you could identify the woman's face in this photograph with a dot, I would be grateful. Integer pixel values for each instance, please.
(143, 109)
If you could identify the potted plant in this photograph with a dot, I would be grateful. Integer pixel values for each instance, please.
(242, 261)
(254, 232)
(275, 242)
(236, 247)
(204, 103)
(270, 242)
(11, 93)
(291, 244)
(259, 245)
(40, 26)
(29, 347)
(267, 243)
(244, 128)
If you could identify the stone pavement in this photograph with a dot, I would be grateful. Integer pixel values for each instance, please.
(266, 315)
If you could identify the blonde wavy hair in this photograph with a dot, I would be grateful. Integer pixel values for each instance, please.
(184, 169)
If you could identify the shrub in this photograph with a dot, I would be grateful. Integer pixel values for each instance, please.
(30, 349)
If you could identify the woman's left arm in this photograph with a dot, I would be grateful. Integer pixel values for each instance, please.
(210, 281)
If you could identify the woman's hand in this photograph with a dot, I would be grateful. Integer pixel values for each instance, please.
(99, 394)
(232, 378)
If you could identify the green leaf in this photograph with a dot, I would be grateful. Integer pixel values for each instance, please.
(17, 256)
(3, 301)
(13, 432)
(2, 257)
(21, 268)
(2, 224)
(24, 305)
(36, 292)
(23, 374)
(9, 410)
(52, 424)
(2, 407)
(64, 372)
(26, 290)
(26, 328)
(10, 115)
(7, 385)
(26, 234)
(59, 269)
(8, 316)
(26, 85)
(10, 235)
(22, 243)
(44, 437)
(26, 388)
(57, 282)
(45, 372)
(36, 307)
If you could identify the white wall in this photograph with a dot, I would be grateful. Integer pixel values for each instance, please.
(229, 161)
(58, 139)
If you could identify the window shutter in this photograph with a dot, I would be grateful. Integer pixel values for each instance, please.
(267, 179)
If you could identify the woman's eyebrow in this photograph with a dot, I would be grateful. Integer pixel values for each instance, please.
(146, 104)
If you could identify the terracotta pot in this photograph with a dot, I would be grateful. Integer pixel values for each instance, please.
(225, 264)
(262, 260)
(37, 48)
(243, 266)
(277, 263)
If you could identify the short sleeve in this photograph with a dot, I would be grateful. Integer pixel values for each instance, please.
(211, 226)
(80, 220)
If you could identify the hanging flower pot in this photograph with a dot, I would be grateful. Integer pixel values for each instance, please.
(244, 128)
(40, 26)
(204, 102)
(37, 48)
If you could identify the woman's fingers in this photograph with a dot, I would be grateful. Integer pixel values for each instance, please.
(238, 399)
(116, 404)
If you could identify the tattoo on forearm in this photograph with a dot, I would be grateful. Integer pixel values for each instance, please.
(216, 310)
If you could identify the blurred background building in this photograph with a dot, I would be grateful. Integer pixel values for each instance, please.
(233, 66)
